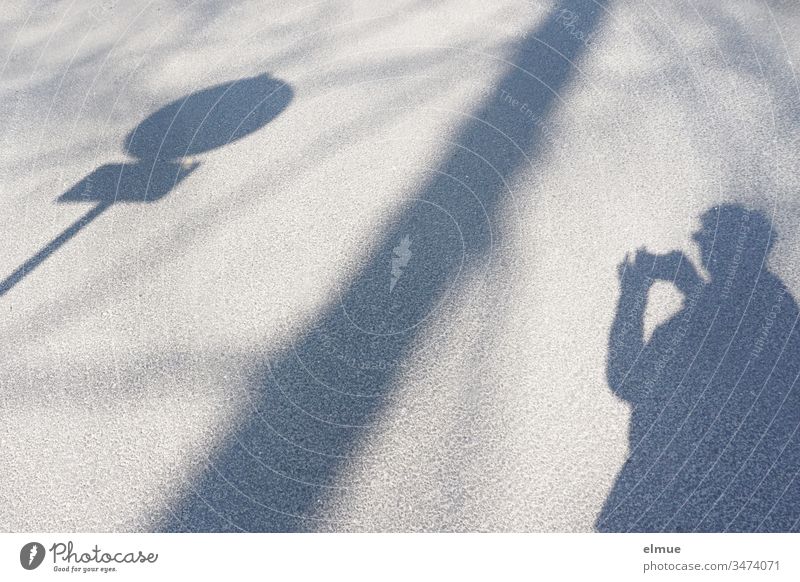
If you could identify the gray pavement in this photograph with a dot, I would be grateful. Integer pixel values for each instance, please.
(357, 266)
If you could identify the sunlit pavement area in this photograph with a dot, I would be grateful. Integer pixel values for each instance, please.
(359, 266)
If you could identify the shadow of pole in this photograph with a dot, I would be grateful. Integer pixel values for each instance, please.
(324, 392)
(8, 283)
(200, 122)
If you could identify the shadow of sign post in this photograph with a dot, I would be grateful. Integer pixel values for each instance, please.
(198, 123)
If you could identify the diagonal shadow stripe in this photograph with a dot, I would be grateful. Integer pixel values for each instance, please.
(316, 400)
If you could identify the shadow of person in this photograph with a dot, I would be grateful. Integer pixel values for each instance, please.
(715, 402)
(196, 124)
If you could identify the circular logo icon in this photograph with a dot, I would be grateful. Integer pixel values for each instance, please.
(31, 555)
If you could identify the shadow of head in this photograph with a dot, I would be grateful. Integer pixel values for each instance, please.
(734, 241)
(196, 124)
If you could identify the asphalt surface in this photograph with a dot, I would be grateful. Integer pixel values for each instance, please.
(362, 266)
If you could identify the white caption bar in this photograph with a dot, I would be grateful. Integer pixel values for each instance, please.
(373, 557)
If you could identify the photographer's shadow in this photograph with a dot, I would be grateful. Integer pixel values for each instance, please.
(161, 144)
(714, 439)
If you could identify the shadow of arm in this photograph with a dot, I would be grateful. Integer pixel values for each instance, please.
(626, 340)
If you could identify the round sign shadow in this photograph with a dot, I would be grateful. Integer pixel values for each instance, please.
(209, 119)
